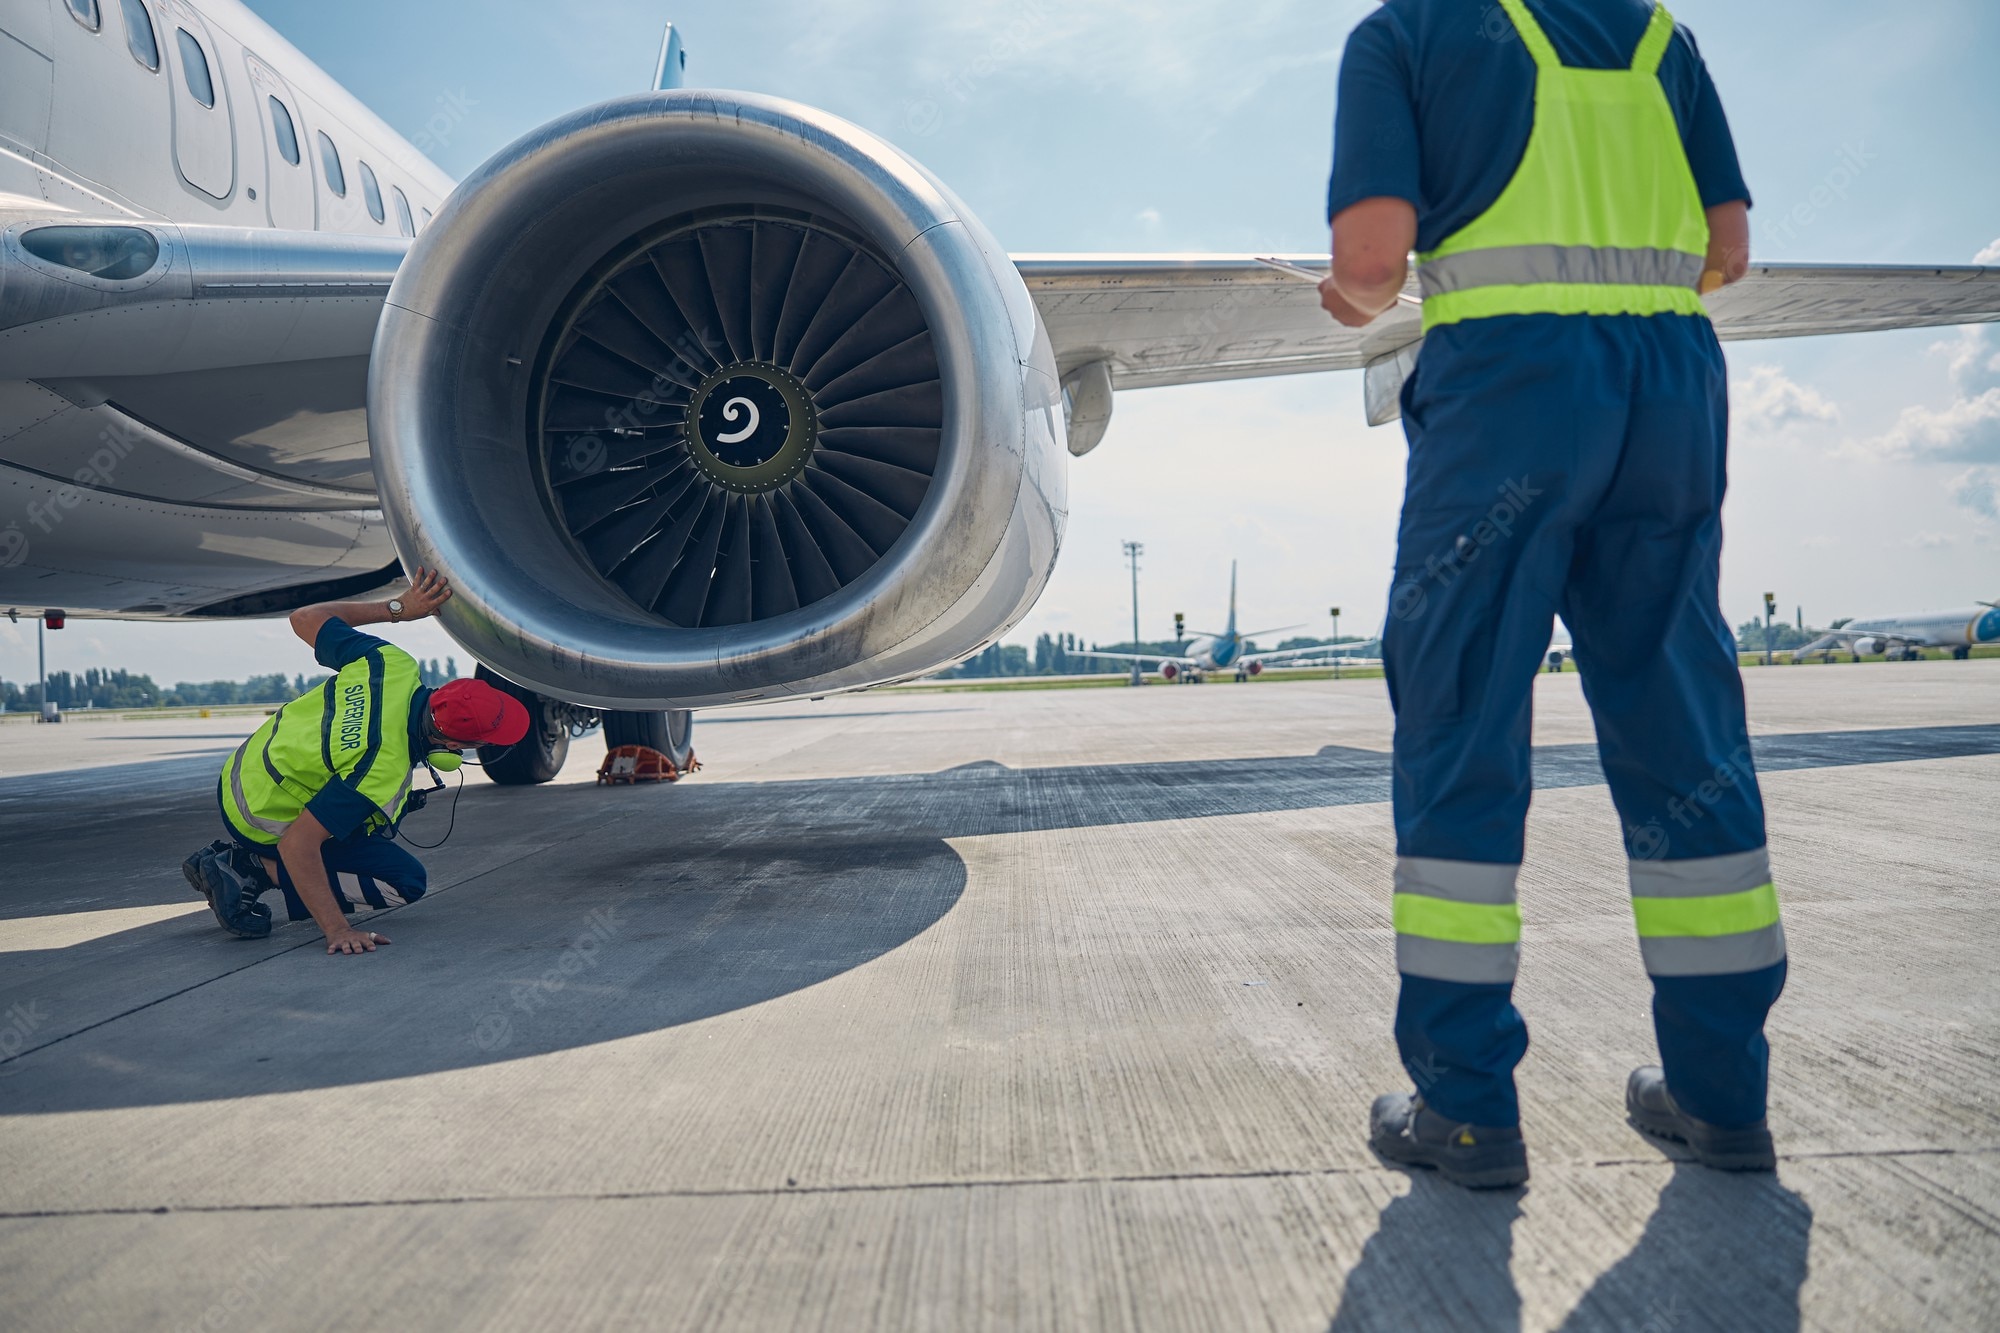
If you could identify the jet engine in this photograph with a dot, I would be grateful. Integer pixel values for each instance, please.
(1867, 647)
(701, 398)
(1170, 671)
(1254, 667)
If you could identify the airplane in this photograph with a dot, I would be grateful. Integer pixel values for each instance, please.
(700, 398)
(1220, 650)
(1904, 637)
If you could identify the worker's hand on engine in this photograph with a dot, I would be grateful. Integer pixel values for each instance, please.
(350, 940)
(428, 591)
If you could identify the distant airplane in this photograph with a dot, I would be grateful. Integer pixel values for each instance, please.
(1220, 650)
(1905, 637)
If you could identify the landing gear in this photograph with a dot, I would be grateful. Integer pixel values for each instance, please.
(539, 755)
(670, 732)
(1961, 652)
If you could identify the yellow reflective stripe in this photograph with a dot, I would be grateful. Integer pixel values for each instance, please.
(1560, 298)
(1462, 923)
(1718, 914)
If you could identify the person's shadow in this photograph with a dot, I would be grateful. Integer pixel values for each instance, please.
(1441, 1257)
(1720, 1251)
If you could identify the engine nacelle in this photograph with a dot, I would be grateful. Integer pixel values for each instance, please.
(701, 398)
(1254, 667)
(1170, 671)
(1867, 647)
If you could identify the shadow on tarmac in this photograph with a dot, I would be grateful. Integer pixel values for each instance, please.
(578, 915)
(1720, 1251)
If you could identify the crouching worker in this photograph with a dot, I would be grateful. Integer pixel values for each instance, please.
(312, 800)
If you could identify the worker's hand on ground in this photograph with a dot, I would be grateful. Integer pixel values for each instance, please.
(1337, 305)
(350, 940)
(428, 591)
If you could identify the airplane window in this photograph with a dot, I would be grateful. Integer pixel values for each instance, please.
(194, 68)
(85, 12)
(139, 38)
(329, 161)
(403, 223)
(281, 126)
(427, 217)
(371, 192)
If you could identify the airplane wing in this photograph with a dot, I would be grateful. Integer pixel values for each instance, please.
(1322, 650)
(1157, 658)
(1153, 320)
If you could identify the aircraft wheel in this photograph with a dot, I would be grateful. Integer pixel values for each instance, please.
(1960, 653)
(670, 732)
(541, 752)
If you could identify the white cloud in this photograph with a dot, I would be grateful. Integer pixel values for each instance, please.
(1990, 255)
(1967, 431)
(1768, 402)
(1149, 218)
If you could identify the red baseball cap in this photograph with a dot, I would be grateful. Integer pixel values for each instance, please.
(475, 713)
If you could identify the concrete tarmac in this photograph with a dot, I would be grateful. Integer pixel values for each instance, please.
(1056, 1009)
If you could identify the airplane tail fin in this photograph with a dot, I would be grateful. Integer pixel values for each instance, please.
(671, 69)
(1232, 599)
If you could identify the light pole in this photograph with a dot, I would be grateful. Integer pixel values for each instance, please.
(42, 662)
(1770, 610)
(1133, 550)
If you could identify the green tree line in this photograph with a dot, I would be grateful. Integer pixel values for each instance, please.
(99, 688)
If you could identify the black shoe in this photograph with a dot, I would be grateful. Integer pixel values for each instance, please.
(1652, 1110)
(232, 897)
(1403, 1130)
(191, 868)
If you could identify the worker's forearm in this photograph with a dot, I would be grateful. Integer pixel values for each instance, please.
(1728, 245)
(304, 863)
(1371, 292)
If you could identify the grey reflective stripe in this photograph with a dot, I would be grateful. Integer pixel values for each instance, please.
(1712, 955)
(235, 770)
(1449, 960)
(1457, 881)
(1738, 872)
(1570, 265)
(396, 801)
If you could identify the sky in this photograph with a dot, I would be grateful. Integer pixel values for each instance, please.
(1865, 472)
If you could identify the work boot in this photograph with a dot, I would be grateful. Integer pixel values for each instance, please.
(191, 868)
(1403, 1130)
(232, 896)
(1652, 1110)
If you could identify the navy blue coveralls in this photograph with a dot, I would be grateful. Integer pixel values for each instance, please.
(1598, 444)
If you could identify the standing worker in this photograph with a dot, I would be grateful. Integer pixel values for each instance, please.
(1565, 173)
(312, 800)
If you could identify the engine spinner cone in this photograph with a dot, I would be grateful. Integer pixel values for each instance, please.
(751, 427)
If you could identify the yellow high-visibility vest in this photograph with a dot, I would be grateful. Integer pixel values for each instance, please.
(1602, 217)
(353, 729)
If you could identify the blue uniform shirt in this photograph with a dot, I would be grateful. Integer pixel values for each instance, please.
(340, 809)
(1437, 98)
